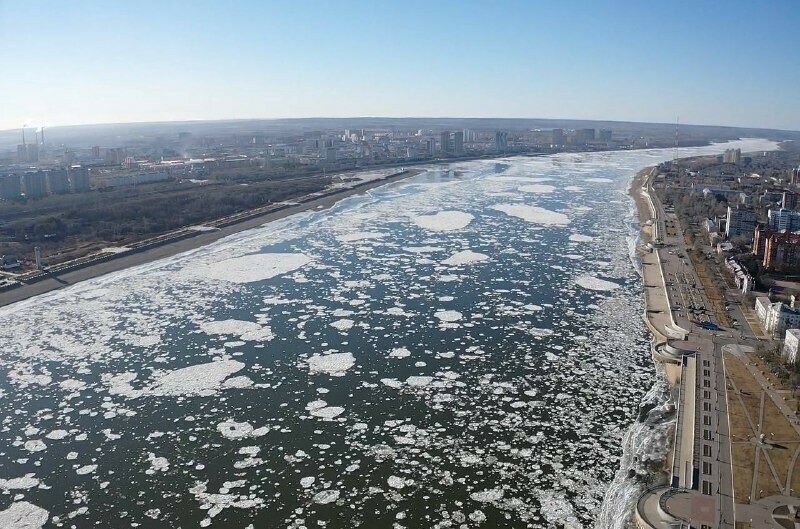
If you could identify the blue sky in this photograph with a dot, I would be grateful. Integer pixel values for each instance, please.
(728, 63)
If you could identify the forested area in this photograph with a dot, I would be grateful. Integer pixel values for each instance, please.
(77, 223)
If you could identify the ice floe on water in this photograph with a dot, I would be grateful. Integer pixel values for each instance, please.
(86, 469)
(465, 257)
(538, 188)
(245, 330)
(326, 496)
(444, 221)
(448, 315)
(343, 324)
(201, 379)
(250, 268)
(577, 237)
(360, 236)
(422, 369)
(23, 515)
(334, 364)
(23, 483)
(594, 283)
(400, 352)
(534, 214)
(598, 180)
(240, 430)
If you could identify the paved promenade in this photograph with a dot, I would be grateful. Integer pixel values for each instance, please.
(701, 482)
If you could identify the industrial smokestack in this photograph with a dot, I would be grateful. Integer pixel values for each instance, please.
(43, 135)
(23, 134)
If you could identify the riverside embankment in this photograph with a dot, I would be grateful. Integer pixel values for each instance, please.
(692, 362)
(183, 240)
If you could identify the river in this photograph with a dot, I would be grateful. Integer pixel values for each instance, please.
(463, 348)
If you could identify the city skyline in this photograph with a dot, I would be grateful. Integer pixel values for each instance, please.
(95, 63)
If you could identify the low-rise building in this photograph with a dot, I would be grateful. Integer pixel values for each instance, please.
(744, 281)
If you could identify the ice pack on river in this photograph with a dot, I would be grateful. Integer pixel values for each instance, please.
(463, 348)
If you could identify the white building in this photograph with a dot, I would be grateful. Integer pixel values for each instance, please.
(776, 317)
(790, 345)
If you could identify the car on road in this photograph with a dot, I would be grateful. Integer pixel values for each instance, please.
(710, 326)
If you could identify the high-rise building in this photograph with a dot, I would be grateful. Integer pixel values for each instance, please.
(790, 200)
(583, 136)
(445, 142)
(604, 135)
(732, 156)
(760, 236)
(57, 182)
(783, 219)
(782, 249)
(33, 153)
(431, 146)
(741, 222)
(558, 136)
(96, 152)
(10, 187)
(22, 153)
(458, 142)
(501, 141)
(35, 184)
(794, 175)
(79, 179)
(115, 156)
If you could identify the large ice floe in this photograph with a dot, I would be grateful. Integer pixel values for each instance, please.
(465, 257)
(439, 352)
(250, 268)
(444, 221)
(201, 379)
(245, 330)
(23, 515)
(334, 364)
(594, 283)
(534, 214)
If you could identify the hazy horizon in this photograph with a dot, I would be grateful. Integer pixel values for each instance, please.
(30, 127)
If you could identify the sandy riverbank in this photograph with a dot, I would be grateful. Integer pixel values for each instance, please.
(57, 281)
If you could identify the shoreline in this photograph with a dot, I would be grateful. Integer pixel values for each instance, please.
(637, 472)
(116, 263)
